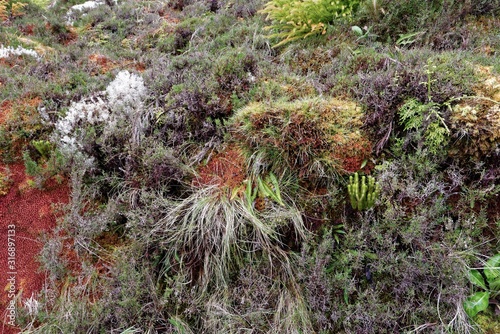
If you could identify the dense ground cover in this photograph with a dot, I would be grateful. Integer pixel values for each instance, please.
(209, 146)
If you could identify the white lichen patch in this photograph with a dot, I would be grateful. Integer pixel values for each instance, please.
(8, 51)
(81, 10)
(122, 101)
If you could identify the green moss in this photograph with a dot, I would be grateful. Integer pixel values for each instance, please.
(311, 136)
(488, 323)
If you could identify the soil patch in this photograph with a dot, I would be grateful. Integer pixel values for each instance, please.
(25, 213)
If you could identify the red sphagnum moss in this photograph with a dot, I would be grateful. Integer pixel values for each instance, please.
(29, 213)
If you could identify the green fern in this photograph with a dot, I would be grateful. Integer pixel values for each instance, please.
(411, 114)
(296, 19)
(11, 9)
(425, 122)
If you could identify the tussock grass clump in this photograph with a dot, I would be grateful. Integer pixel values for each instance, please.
(218, 226)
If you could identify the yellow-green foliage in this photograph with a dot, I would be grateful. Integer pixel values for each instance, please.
(9, 8)
(362, 194)
(477, 125)
(489, 324)
(294, 19)
(413, 115)
(311, 135)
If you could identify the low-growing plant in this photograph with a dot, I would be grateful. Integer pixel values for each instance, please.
(32, 167)
(488, 279)
(213, 232)
(362, 194)
(46, 162)
(10, 9)
(425, 119)
(44, 147)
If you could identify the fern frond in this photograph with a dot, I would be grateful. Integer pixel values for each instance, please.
(17, 9)
(3, 10)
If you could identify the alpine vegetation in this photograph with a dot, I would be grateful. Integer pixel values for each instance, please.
(256, 166)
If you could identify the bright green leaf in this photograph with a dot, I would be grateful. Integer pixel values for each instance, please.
(492, 269)
(476, 303)
(357, 30)
(476, 278)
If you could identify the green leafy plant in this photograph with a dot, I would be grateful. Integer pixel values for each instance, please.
(409, 39)
(44, 147)
(336, 231)
(32, 167)
(425, 119)
(488, 279)
(366, 34)
(361, 193)
(295, 19)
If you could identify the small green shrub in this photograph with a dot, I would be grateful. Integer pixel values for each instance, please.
(32, 167)
(44, 147)
(426, 119)
(426, 123)
(295, 19)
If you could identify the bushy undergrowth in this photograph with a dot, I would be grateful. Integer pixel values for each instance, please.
(208, 170)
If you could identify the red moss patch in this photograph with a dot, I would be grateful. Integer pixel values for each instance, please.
(102, 62)
(28, 214)
(225, 169)
(28, 29)
(351, 152)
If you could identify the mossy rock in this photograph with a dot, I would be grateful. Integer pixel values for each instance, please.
(312, 136)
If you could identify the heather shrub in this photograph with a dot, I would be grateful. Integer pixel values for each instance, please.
(388, 261)
(241, 8)
(438, 24)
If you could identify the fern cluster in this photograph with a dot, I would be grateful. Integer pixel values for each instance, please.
(295, 19)
(11, 9)
(426, 123)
